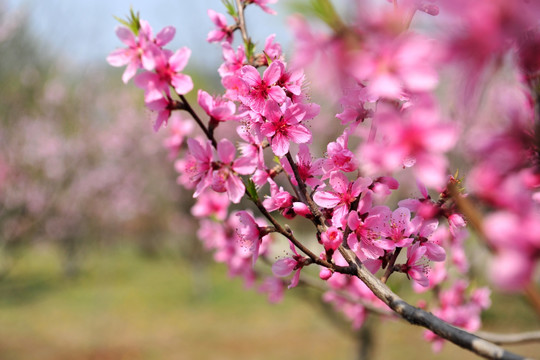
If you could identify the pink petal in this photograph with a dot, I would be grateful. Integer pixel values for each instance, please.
(272, 112)
(179, 59)
(283, 267)
(353, 221)
(245, 165)
(165, 35)
(339, 182)
(360, 185)
(419, 277)
(215, 35)
(235, 188)
(326, 199)
(250, 75)
(163, 117)
(299, 134)
(126, 36)
(182, 83)
(429, 227)
(219, 19)
(435, 252)
(277, 94)
(130, 72)
(119, 57)
(197, 150)
(295, 279)
(226, 151)
(272, 74)
(280, 144)
(205, 101)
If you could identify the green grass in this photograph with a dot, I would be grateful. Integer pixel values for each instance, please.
(124, 306)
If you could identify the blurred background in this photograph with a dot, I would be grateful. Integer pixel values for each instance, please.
(98, 256)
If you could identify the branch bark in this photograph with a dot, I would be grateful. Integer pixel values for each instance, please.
(422, 318)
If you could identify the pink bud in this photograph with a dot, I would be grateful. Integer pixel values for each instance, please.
(325, 274)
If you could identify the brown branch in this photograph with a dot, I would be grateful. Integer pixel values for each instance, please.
(390, 266)
(242, 21)
(184, 105)
(289, 235)
(427, 320)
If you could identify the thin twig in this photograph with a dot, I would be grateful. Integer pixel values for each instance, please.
(517, 338)
(184, 105)
(305, 196)
(390, 266)
(288, 234)
(242, 21)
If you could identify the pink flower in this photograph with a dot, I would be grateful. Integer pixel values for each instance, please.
(414, 267)
(340, 199)
(397, 230)
(274, 288)
(392, 65)
(434, 251)
(332, 238)
(284, 267)
(178, 130)
(271, 49)
(223, 31)
(354, 110)
(211, 204)
(224, 179)
(339, 157)
(217, 108)
(262, 89)
(139, 53)
(249, 234)
(279, 198)
(283, 127)
(365, 233)
(167, 73)
(199, 164)
(162, 106)
(517, 242)
(235, 87)
(233, 61)
(262, 4)
(415, 138)
(130, 55)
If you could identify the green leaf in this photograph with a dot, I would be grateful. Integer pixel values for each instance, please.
(252, 190)
(231, 10)
(250, 49)
(132, 21)
(327, 13)
(322, 9)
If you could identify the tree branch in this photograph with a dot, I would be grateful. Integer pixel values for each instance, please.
(427, 320)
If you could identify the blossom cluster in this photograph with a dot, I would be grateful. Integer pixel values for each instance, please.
(396, 130)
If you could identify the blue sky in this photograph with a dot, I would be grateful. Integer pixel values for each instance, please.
(82, 31)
